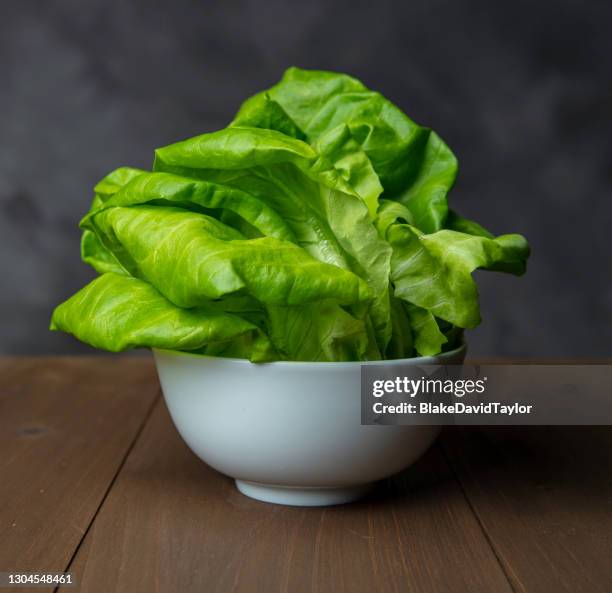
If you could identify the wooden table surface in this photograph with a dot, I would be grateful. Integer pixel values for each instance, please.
(94, 479)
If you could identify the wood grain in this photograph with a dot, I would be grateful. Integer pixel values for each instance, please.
(544, 498)
(66, 425)
(173, 524)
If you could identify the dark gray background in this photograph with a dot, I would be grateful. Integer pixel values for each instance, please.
(522, 91)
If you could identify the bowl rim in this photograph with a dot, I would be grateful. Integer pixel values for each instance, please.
(415, 360)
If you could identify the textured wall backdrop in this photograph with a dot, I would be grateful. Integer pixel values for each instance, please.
(522, 91)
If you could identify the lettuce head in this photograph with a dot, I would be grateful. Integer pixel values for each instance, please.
(314, 227)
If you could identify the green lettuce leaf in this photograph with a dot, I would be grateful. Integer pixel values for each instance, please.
(201, 196)
(113, 182)
(92, 250)
(428, 339)
(262, 112)
(401, 344)
(318, 332)
(97, 256)
(341, 149)
(434, 271)
(192, 258)
(115, 312)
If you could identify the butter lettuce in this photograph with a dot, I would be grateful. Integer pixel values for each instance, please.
(316, 226)
(116, 312)
(192, 258)
(327, 216)
(414, 165)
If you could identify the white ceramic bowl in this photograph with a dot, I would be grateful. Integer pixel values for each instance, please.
(288, 432)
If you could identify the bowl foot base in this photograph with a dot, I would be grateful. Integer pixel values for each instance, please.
(302, 497)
